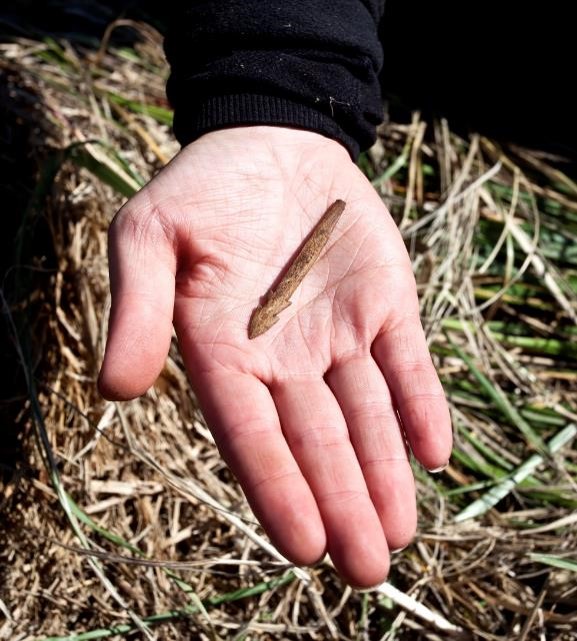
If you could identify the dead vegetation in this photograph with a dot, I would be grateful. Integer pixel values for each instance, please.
(121, 521)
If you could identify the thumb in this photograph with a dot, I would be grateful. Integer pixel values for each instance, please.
(142, 267)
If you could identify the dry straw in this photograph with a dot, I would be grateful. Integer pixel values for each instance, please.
(123, 517)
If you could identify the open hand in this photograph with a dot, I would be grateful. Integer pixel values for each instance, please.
(314, 415)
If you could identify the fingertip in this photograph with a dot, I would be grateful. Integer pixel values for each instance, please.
(136, 349)
(364, 573)
(299, 535)
(129, 370)
(431, 436)
(120, 388)
(365, 562)
(308, 548)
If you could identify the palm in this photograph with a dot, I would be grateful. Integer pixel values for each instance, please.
(304, 413)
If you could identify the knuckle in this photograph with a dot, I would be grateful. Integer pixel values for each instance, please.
(374, 410)
(344, 496)
(141, 220)
(417, 368)
(320, 437)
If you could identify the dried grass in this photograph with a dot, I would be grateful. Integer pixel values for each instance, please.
(123, 516)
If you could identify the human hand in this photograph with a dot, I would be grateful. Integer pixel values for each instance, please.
(306, 415)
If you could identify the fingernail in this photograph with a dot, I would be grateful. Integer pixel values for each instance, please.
(397, 550)
(436, 470)
(371, 589)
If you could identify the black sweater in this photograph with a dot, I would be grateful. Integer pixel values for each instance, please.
(315, 64)
(310, 64)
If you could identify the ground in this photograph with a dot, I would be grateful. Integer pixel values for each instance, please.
(119, 520)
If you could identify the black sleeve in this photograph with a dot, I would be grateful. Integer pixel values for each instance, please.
(310, 64)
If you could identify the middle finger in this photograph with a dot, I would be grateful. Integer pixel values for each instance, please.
(317, 435)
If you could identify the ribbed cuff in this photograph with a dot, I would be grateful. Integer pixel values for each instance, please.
(218, 112)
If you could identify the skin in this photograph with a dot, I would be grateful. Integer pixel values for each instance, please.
(307, 416)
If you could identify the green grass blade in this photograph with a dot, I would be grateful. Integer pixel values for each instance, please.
(180, 613)
(501, 401)
(555, 561)
(160, 114)
(501, 489)
(109, 171)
